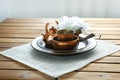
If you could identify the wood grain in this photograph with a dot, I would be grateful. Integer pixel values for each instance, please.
(18, 31)
(49, 19)
(2, 40)
(22, 36)
(23, 75)
(12, 44)
(101, 67)
(90, 76)
(110, 59)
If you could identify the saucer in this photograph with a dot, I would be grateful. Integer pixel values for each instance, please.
(83, 46)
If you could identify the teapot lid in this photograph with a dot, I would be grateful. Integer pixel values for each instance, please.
(53, 30)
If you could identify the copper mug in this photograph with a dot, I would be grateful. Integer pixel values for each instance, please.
(65, 45)
(69, 44)
(64, 35)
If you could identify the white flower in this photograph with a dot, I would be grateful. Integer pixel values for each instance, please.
(73, 23)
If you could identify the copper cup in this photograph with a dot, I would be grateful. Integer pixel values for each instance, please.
(65, 45)
(68, 36)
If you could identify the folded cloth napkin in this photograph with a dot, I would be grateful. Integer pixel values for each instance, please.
(56, 66)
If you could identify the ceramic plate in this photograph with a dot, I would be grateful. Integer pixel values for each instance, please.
(83, 46)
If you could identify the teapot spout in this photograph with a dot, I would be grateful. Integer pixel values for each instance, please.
(44, 39)
(43, 35)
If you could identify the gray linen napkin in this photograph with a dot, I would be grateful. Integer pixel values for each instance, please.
(56, 66)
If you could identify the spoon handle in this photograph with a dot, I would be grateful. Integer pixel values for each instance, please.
(87, 37)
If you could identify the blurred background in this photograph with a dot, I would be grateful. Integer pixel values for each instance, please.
(58, 8)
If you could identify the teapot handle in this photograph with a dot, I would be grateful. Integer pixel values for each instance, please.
(46, 27)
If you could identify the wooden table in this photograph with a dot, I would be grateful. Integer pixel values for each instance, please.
(16, 31)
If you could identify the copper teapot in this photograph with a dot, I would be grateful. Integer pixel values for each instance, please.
(49, 34)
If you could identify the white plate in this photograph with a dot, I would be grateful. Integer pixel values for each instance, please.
(83, 46)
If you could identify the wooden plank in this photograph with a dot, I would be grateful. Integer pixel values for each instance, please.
(52, 22)
(39, 31)
(11, 44)
(3, 58)
(27, 24)
(91, 21)
(115, 57)
(113, 37)
(21, 25)
(2, 49)
(101, 67)
(21, 19)
(28, 19)
(109, 29)
(103, 32)
(35, 75)
(37, 22)
(25, 36)
(101, 19)
(2, 40)
(109, 60)
(114, 41)
(23, 75)
(30, 29)
(36, 31)
(19, 28)
(86, 19)
(116, 53)
(90, 76)
(5, 44)
(42, 27)
(103, 26)
(104, 22)
(13, 65)
(31, 36)
(42, 24)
